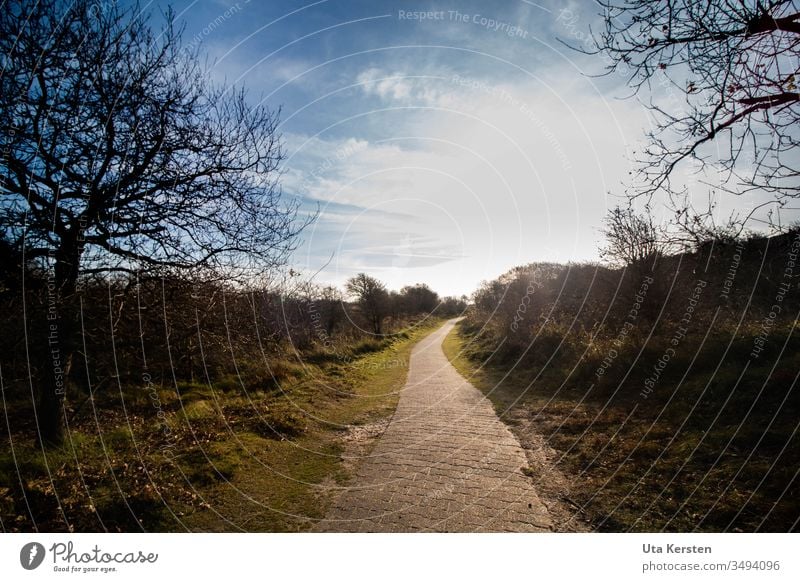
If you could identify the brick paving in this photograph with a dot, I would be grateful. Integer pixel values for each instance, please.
(446, 462)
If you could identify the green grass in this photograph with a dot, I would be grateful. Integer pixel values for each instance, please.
(284, 484)
(697, 454)
(260, 459)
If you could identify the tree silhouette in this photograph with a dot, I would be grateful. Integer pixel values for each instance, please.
(632, 239)
(120, 156)
(372, 299)
(722, 79)
(419, 298)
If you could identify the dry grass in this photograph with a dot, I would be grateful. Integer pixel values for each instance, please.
(250, 454)
(702, 453)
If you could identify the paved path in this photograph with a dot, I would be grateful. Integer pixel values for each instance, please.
(445, 463)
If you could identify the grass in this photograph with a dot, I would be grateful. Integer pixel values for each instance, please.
(208, 457)
(702, 453)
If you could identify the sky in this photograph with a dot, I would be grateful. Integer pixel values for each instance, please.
(442, 150)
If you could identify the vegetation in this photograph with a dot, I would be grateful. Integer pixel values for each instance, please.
(161, 370)
(193, 404)
(372, 298)
(669, 394)
(120, 156)
(260, 451)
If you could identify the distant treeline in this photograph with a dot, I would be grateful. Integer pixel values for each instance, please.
(747, 287)
(169, 329)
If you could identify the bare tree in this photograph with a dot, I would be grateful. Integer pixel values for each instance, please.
(372, 298)
(632, 239)
(722, 85)
(119, 155)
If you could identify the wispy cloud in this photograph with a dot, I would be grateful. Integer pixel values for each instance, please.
(444, 151)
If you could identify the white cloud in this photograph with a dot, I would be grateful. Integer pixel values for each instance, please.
(493, 174)
(405, 88)
(374, 82)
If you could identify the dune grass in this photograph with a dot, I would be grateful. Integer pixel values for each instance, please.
(715, 450)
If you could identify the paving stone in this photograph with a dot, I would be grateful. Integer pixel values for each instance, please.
(445, 463)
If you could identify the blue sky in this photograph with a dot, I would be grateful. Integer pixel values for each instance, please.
(443, 150)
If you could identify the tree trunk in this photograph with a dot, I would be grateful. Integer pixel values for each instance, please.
(59, 343)
(57, 358)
